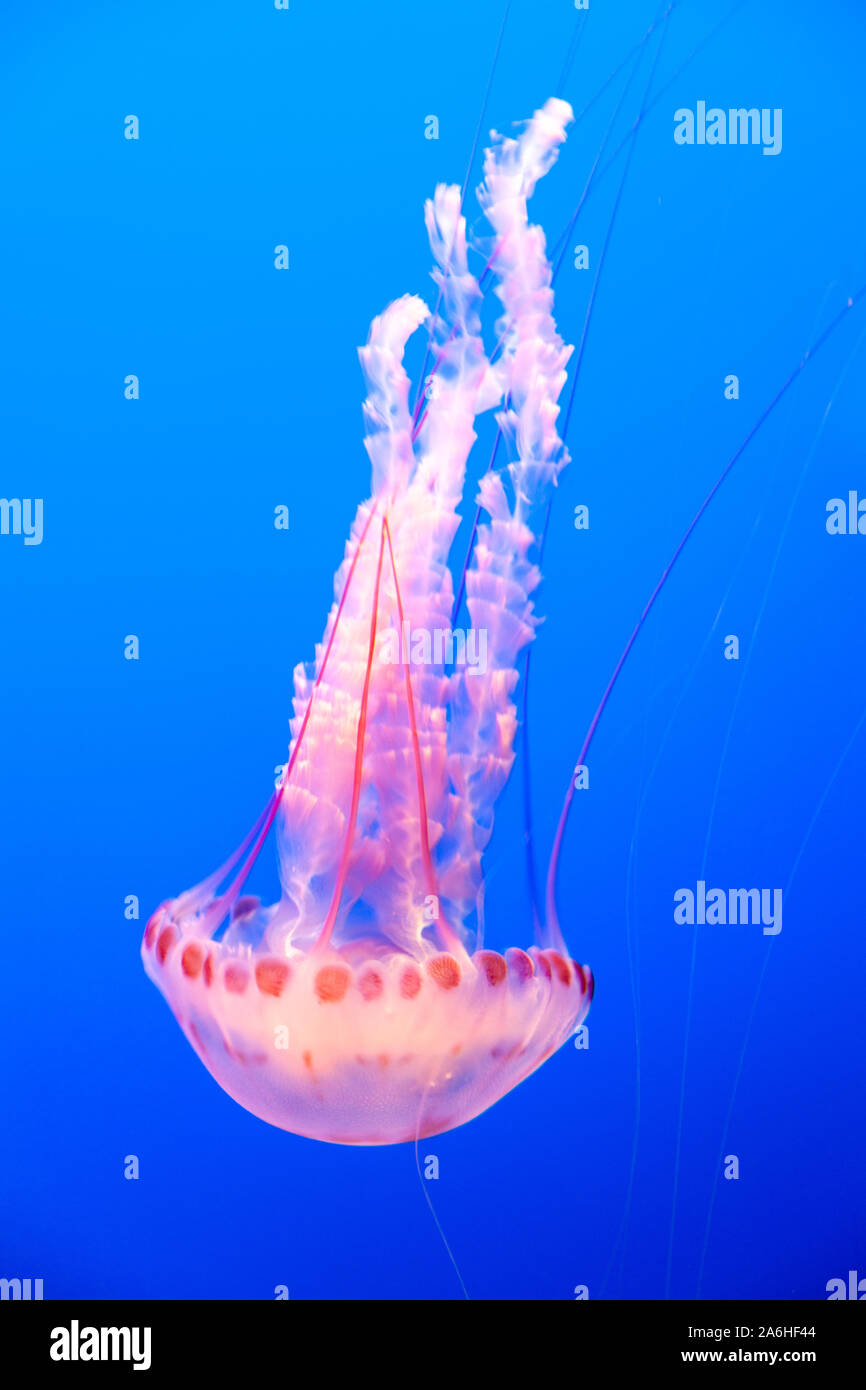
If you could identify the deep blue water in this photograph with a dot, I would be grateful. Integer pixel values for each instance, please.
(155, 257)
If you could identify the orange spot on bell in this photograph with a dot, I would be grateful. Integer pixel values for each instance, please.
(519, 963)
(444, 970)
(410, 982)
(237, 977)
(167, 938)
(152, 929)
(493, 966)
(191, 960)
(559, 966)
(332, 981)
(272, 976)
(371, 984)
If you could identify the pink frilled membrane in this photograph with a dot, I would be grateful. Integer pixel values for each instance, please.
(362, 1007)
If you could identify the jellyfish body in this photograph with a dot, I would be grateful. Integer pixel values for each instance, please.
(361, 1007)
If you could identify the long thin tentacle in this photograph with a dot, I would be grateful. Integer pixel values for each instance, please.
(650, 604)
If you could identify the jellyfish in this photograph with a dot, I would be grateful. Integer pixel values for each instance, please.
(363, 1007)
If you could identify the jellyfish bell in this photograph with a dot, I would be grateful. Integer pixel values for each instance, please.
(375, 1050)
(362, 1007)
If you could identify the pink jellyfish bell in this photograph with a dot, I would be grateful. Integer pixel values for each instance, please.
(360, 1008)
